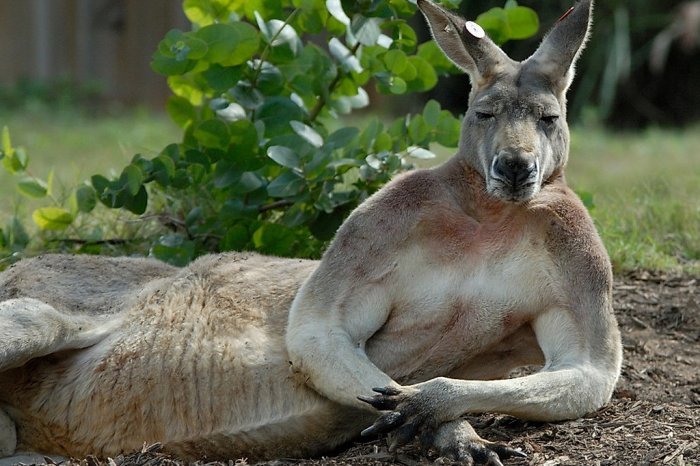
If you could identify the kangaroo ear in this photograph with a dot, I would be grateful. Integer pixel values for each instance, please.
(557, 54)
(464, 42)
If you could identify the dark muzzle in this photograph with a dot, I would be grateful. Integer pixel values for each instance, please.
(514, 170)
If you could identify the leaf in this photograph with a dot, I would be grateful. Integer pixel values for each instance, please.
(420, 153)
(181, 111)
(52, 218)
(84, 199)
(366, 30)
(221, 78)
(32, 187)
(235, 239)
(522, 22)
(341, 137)
(286, 185)
(246, 95)
(276, 113)
(173, 249)
(274, 239)
(431, 113)
(395, 61)
(345, 57)
(16, 161)
(284, 156)
(163, 171)
(448, 129)
(495, 23)
(137, 203)
(430, 52)
(418, 131)
(213, 134)
(204, 12)
(248, 182)
(229, 44)
(170, 66)
(308, 133)
(335, 8)
(131, 179)
(426, 77)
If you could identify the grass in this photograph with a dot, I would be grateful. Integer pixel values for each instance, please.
(646, 191)
(645, 186)
(75, 145)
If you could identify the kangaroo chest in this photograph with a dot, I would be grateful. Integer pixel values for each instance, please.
(450, 312)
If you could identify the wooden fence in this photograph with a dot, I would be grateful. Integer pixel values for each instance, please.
(107, 41)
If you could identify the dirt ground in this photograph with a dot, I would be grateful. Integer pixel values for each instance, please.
(654, 417)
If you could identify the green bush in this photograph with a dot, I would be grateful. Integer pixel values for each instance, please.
(258, 88)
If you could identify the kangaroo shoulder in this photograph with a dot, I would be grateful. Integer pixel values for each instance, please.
(571, 236)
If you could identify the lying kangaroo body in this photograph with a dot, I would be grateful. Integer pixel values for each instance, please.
(433, 290)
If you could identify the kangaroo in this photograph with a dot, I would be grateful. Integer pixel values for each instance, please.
(433, 290)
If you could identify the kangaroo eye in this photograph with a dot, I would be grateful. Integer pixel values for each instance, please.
(483, 116)
(549, 120)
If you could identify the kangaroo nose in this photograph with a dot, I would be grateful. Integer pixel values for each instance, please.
(513, 168)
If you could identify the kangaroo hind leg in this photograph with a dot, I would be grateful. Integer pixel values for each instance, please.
(30, 328)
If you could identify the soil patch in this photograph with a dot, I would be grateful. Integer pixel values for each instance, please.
(654, 417)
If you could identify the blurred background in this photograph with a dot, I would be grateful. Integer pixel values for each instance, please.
(77, 90)
(641, 68)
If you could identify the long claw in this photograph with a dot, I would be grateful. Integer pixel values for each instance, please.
(387, 391)
(384, 424)
(506, 452)
(378, 402)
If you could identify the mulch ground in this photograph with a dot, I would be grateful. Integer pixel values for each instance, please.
(654, 417)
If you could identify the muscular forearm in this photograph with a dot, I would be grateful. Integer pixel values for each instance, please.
(333, 365)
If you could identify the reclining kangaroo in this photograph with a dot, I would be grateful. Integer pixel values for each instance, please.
(433, 290)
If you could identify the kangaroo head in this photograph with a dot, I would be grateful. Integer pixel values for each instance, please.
(514, 132)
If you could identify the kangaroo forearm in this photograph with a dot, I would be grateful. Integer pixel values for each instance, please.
(335, 368)
(545, 396)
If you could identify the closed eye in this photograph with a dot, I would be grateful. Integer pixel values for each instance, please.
(549, 120)
(482, 116)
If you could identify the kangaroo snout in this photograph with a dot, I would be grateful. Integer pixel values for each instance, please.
(514, 175)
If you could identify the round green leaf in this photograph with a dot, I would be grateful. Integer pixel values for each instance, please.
(366, 30)
(285, 185)
(307, 133)
(32, 187)
(395, 61)
(342, 137)
(426, 78)
(495, 23)
(274, 239)
(84, 199)
(212, 133)
(284, 156)
(174, 249)
(131, 179)
(52, 218)
(431, 113)
(522, 21)
(229, 44)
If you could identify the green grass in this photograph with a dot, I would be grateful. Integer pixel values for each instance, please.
(76, 146)
(646, 190)
(645, 186)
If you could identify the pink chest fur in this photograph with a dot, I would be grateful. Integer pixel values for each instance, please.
(451, 235)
